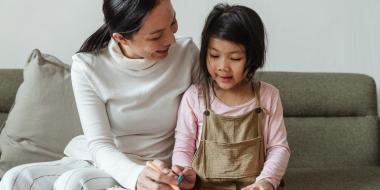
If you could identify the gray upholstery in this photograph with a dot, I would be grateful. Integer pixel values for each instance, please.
(333, 141)
(356, 178)
(10, 80)
(333, 130)
(324, 94)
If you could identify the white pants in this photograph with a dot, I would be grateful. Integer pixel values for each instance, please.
(64, 174)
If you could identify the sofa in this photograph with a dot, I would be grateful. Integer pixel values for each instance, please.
(331, 119)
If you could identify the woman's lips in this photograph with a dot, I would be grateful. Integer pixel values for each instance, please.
(163, 51)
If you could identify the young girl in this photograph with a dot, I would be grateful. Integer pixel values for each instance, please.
(230, 129)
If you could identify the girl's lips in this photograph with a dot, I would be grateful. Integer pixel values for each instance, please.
(225, 79)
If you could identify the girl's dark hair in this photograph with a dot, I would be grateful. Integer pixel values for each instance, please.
(238, 24)
(122, 16)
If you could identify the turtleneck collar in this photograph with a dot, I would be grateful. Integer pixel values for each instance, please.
(133, 66)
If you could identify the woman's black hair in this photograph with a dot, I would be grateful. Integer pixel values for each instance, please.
(122, 16)
(238, 24)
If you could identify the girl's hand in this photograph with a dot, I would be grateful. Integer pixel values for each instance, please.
(189, 176)
(150, 178)
(260, 185)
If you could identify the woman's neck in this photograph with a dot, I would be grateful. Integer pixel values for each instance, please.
(237, 95)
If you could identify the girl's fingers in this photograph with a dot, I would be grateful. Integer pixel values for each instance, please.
(188, 171)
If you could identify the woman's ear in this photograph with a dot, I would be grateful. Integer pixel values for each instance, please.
(119, 38)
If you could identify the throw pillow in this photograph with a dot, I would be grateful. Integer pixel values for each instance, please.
(44, 117)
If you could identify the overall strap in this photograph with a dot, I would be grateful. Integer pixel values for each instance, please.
(206, 113)
(256, 89)
(259, 110)
(206, 97)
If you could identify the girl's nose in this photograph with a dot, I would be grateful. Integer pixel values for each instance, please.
(223, 65)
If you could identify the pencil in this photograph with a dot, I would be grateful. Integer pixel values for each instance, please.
(180, 179)
(151, 165)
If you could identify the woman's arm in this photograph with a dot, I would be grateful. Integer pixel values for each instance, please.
(96, 128)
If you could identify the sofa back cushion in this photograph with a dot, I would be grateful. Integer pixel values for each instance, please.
(44, 117)
(331, 118)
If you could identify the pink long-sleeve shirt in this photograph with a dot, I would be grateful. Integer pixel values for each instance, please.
(190, 120)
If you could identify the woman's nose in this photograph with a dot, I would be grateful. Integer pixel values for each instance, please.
(169, 38)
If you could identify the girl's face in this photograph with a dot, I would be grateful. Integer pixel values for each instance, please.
(154, 38)
(225, 63)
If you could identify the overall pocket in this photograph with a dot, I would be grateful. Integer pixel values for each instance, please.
(232, 160)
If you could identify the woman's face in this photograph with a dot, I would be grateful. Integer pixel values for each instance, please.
(156, 35)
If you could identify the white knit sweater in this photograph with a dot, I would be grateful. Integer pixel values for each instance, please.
(128, 107)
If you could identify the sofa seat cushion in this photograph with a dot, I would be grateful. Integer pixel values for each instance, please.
(358, 178)
(323, 142)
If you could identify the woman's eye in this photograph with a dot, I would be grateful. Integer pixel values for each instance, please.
(155, 38)
(214, 56)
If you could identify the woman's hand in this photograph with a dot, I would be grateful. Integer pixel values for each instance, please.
(151, 179)
(189, 176)
(260, 185)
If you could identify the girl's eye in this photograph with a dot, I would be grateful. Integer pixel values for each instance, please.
(214, 56)
(235, 59)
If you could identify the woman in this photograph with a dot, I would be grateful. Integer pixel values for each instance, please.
(127, 78)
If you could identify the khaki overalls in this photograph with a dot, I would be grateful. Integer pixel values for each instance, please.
(231, 151)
